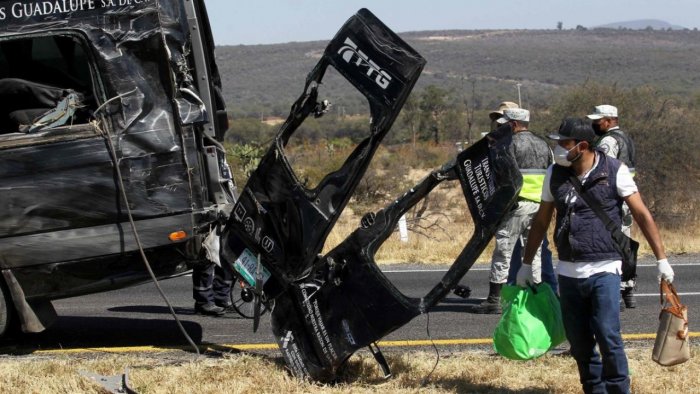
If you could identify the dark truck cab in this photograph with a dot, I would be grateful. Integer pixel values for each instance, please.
(88, 87)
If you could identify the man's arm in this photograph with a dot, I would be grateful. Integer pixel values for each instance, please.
(647, 224)
(538, 230)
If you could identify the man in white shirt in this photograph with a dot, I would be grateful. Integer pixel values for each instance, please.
(590, 265)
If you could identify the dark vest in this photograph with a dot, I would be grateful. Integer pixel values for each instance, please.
(580, 235)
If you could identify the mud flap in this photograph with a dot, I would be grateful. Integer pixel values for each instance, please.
(33, 316)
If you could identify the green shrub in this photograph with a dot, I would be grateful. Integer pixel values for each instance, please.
(243, 160)
(662, 128)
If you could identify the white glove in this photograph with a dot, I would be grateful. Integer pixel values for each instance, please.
(665, 270)
(524, 275)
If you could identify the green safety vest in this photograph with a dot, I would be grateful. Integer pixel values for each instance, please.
(533, 180)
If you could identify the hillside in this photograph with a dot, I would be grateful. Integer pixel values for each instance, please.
(642, 24)
(265, 79)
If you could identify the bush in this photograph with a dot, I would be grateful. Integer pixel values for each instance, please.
(659, 125)
(243, 160)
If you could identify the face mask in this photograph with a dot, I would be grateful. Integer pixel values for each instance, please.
(596, 128)
(561, 156)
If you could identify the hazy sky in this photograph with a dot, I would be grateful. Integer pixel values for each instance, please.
(275, 21)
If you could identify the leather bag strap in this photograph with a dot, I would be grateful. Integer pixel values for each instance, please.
(668, 292)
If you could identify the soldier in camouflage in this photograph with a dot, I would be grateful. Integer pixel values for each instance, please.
(533, 156)
(616, 143)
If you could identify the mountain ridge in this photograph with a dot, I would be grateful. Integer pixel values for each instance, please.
(266, 79)
(639, 24)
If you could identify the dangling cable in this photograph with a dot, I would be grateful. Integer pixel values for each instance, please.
(437, 352)
(122, 189)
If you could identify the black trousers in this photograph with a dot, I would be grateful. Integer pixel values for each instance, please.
(211, 284)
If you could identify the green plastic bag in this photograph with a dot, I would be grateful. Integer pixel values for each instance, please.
(531, 323)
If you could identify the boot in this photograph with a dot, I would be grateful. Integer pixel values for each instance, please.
(628, 297)
(492, 304)
(209, 309)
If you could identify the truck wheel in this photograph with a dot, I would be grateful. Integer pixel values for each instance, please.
(6, 310)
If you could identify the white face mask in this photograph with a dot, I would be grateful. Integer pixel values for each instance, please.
(561, 156)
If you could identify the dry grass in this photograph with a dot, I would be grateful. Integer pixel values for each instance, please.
(436, 238)
(443, 246)
(445, 226)
(676, 241)
(451, 228)
(463, 372)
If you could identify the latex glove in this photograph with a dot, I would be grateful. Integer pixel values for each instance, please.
(665, 270)
(524, 275)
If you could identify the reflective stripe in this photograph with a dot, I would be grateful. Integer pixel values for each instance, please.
(533, 181)
(200, 288)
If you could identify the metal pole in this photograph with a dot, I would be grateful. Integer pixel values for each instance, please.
(520, 104)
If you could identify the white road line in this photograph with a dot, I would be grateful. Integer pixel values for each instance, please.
(657, 294)
(488, 268)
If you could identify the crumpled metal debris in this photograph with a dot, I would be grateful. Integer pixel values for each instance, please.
(115, 384)
(328, 306)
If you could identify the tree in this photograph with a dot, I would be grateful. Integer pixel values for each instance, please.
(645, 112)
(411, 117)
(433, 102)
(452, 124)
(560, 25)
(469, 108)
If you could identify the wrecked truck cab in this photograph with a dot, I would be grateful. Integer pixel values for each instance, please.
(111, 112)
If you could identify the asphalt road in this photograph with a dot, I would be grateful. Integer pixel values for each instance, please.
(137, 316)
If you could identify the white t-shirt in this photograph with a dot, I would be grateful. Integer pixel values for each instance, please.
(625, 187)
